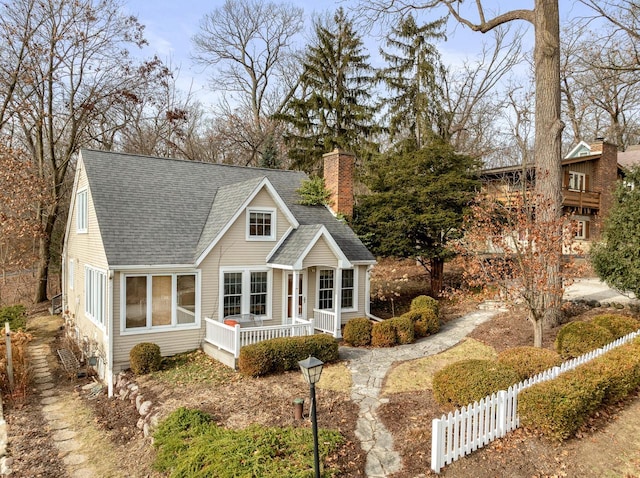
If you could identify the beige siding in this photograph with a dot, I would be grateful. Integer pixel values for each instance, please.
(320, 255)
(84, 249)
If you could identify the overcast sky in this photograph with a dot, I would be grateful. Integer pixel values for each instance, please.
(171, 24)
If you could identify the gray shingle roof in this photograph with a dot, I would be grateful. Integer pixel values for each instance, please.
(294, 245)
(154, 211)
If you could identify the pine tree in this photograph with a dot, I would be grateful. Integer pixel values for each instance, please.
(333, 109)
(412, 77)
(269, 156)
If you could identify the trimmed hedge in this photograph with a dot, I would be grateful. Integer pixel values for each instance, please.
(357, 332)
(529, 361)
(559, 407)
(145, 358)
(577, 338)
(384, 334)
(618, 325)
(279, 355)
(468, 381)
(425, 321)
(425, 302)
(405, 333)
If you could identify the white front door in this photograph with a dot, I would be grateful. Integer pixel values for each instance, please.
(300, 306)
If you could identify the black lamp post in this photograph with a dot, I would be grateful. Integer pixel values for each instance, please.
(311, 370)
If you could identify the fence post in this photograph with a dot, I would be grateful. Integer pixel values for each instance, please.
(501, 413)
(312, 329)
(236, 340)
(7, 330)
(437, 435)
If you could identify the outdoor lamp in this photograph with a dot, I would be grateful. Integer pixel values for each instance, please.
(311, 370)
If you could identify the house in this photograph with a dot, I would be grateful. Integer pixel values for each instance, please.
(589, 173)
(166, 251)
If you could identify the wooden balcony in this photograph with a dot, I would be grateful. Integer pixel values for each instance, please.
(582, 199)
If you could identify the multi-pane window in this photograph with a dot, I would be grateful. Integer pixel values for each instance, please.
(348, 284)
(159, 300)
(325, 289)
(81, 211)
(245, 292)
(258, 299)
(95, 283)
(232, 303)
(260, 224)
(577, 181)
(582, 229)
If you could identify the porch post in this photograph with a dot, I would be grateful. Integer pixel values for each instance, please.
(294, 296)
(338, 303)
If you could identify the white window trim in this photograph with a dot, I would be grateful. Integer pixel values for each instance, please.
(82, 211)
(583, 235)
(150, 329)
(269, 210)
(245, 303)
(91, 274)
(582, 180)
(71, 274)
(354, 308)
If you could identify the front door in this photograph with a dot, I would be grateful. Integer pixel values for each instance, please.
(300, 303)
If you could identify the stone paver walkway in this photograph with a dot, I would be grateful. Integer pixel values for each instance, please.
(368, 369)
(64, 437)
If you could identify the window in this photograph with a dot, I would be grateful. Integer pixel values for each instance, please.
(577, 181)
(81, 211)
(95, 283)
(582, 229)
(159, 301)
(261, 224)
(246, 291)
(348, 289)
(325, 289)
(70, 273)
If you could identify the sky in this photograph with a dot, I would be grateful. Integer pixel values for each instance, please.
(170, 25)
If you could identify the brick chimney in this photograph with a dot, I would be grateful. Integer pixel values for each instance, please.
(605, 174)
(338, 178)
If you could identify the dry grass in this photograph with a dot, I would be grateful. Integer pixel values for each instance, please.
(416, 375)
(335, 377)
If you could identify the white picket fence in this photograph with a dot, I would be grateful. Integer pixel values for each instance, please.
(469, 428)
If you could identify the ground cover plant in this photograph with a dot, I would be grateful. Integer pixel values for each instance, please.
(190, 445)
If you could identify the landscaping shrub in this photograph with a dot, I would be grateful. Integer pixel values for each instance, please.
(357, 332)
(529, 361)
(404, 330)
(577, 338)
(467, 381)
(383, 334)
(559, 407)
(618, 325)
(190, 444)
(425, 302)
(279, 355)
(617, 372)
(144, 358)
(16, 315)
(425, 321)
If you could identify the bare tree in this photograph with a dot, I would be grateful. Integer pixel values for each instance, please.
(545, 19)
(250, 44)
(73, 65)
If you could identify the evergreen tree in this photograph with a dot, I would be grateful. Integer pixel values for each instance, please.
(417, 203)
(269, 156)
(412, 78)
(616, 259)
(333, 109)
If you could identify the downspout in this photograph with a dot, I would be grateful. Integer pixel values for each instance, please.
(367, 296)
(110, 332)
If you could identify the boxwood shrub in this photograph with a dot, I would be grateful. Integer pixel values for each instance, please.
(279, 355)
(577, 338)
(405, 333)
(425, 321)
(618, 325)
(529, 361)
(467, 381)
(383, 334)
(425, 302)
(144, 358)
(357, 332)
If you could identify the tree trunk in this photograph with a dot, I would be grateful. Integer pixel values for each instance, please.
(44, 255)
(537, 331)
(437, 276)
(548, 143)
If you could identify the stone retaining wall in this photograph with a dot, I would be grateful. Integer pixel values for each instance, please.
(126, 389)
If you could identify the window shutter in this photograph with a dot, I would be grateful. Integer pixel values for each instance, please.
(565, 182)
(586, 229)
(586, 183)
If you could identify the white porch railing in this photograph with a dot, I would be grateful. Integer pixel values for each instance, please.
(327, 321)
(469, 428)
(232, 338)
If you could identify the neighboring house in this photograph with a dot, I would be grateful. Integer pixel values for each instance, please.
(164, 251)
(589, 172)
